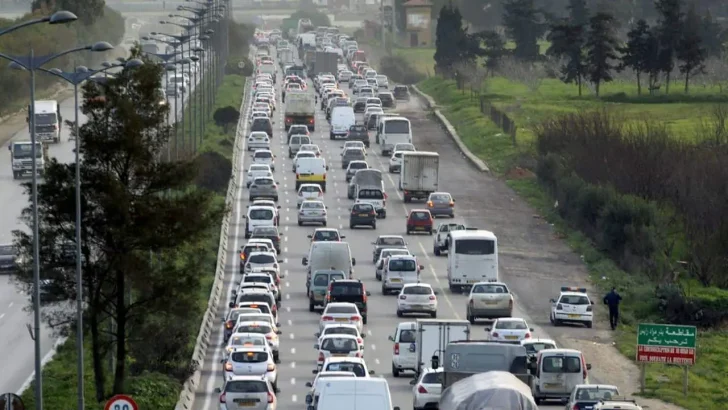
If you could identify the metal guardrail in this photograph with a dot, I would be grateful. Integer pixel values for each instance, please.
(187, 396)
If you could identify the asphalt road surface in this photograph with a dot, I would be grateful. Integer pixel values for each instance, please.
(17, 362)
(298, 358)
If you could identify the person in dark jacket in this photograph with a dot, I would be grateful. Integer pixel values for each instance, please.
(612, 300)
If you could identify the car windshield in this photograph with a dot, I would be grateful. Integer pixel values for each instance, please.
(312, 205)
(391, 241)
(260, 329)
(536, 347)
(258, 278)
(262, 258)
(594, 393)
(490, 288)
(249, 357)
(417, 290)
(356, 368)
(511, 325)
(562, 364)
(574, 300)
(350, 310)
(402, 265)
(261, 214)
(340, 330)
(263, 154)
(347, 289)
(339, 344)
(246, 386)
(326, 235)
(21, 151)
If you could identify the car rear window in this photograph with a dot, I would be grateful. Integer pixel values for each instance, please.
(402, 265)
(574, 300)
(421, 216)
(311, 188)
(246, 386)
(344, 289)
(363, 208)
(432, 378)
(339, 344)
(265, 231)
(356, 368)
(262, 258)
(358, 128)
(391, 241)
(341, 309)
(490, 289)
(417, 290)
(358, 165)
(249, 357)
(263, 154)
(258, 278)
(340, 330)
(261, 214)
(562, 364)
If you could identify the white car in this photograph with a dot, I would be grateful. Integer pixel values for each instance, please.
(251, 361)
(258, 140)
(343, 329)
(301, 154)
(267, 330)
(341, 312)
(268, 202)
(261, 276)
(533, 346)
(261, 260)
(311, 147)
(257, 114)
(572, 306)
(245, 339)
(356, 365)
(386, 253)
(309, 192)
(395, 162)
(417, 298)
(312, 211)
(371, 109)
(257, 171)
(320, 377)
(265, 157)
(353, 145)
(439, 244)
(511, 329)
(382, 80)
(427, 389)
(336, 346)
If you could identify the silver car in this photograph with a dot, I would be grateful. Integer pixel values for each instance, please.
(441, 203)
(353, 167)
(352, 154)
(312, 212)
(263, 187)
(295, 144)
(250, 392)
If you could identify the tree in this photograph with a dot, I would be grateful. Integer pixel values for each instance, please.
(567, 42)
(86, 10)
(690, 52)
(668, 34)
(453, 44)
(634, 54)
(524, 25)
(712, 35)
(494, 48)
(578, 13)
(601, 45)
(133, 205)
(226, 117)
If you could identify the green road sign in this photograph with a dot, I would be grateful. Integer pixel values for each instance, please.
(671, 344)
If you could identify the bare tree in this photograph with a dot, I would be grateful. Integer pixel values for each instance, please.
(716, 73)
(527, 73)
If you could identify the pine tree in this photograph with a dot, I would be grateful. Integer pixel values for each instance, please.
(634, 54)
(567, 42)
(494, 48)
(668, 30)
(524, 25)
(690, 52)
(445, 53)
(578, 13)
(601, 45)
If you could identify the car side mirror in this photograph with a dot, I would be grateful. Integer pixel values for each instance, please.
(369, 293)
(278, 324)
(309, 236)
(390, 338)
(422, 267)
(342, 237)
(304, 261)
(371, 372)
(552, 301)
(317, 334)
(341, 155)
(364, 335)
(531, 329)
(231, 304)
(588, 366)
(218, 390)
(314, 371)
(309, 399)
(487, 329)
(309, 384)
(413, 382)
(316, 346)
(327, 167)
(280, 260)
(353, 261)
(592, 302)
(436, 292)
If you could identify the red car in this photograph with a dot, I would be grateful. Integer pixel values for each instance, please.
(419, 220)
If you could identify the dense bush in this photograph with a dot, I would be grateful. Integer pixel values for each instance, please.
(47, 39)
(398, 69)
(644, 161)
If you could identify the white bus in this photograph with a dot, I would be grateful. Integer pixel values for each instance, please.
(472, 257)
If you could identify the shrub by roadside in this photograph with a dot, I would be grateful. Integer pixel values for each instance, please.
(157, 389)
(399, 70)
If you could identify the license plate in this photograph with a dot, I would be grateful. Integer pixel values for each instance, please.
(573, 316)
(363, 214)
(511, 337)
(491, 302)
(340, 355)
(418, 306)
(470, 282)
(342, 319)
(395, 280)
(552, 385)
(244, 402)
(419, 228)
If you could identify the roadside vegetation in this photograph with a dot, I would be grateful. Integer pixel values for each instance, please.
(167, 267)
(104, 25)
(621, 144)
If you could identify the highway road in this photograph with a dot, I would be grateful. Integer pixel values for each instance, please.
(472, 191)
(17, 363)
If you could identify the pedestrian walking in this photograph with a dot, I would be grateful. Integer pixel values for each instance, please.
(612, 300)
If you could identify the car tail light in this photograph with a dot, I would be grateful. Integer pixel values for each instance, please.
(324, 177)
(472, 303)
(510, 304)
(229, 324)
(355, 318)
(403, 297)
(374, 213)
(274, 308)
(452, 204)
(271, 367)
(527, 336)
(271, 398)
(269, 337)
(327, 318)
(298, 175)
(396, 349)
(321, 357)
(222, 398)
(421, 389)
(429, 204)
(228, 367)
(575, 407)
(432, 298)
(353, 212)
(495, 334)
(360, 340)
(559, 307)
(588, 308)
(278, 281)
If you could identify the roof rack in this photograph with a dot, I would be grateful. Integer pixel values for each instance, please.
(573, 289)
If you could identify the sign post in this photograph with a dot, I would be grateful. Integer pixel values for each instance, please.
(667, 344)
(121, 402)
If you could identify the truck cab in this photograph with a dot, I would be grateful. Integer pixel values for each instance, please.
(21, 157)
(48, 121)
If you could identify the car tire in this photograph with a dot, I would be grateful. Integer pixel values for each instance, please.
(589, 324)
(378, 276)
(399, 313)
(374, 225)
(471, 319)
(364, 320)
(433, 315)
(311, 305)
(300, 223)
(436, 250)
(395, 371)
(408, 232)
(323, 224)
(275, 199)
(384, 290)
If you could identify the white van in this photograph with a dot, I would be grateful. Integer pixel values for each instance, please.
(342, 117)
(329, 256)
(355, 393)
(311, 171)
(557, 372)
(404, 351)
(259, 216)
(398, 271)
(472, 257)
(393, 131)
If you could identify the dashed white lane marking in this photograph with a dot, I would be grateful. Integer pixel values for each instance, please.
(11, 304)
(293, 381)
(288, 296)
(376, 361)
(291, 336)
(293, 364)
(294, 398)
(373, 347)
(290, 323)
(288, 309)
(2, 316)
